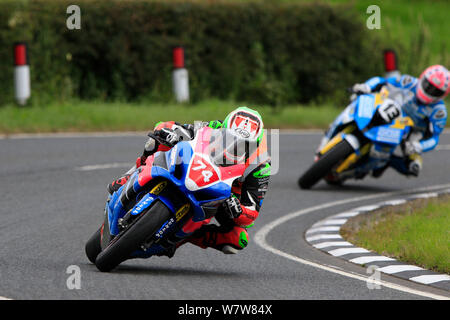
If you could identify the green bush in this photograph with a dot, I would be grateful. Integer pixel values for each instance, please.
(262, 53)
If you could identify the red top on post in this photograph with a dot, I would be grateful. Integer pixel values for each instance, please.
(178, 57)
(20, 54)
(390, 60)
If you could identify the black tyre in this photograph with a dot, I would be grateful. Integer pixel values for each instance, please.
(126, 243)
(324, 165)
(93, 246)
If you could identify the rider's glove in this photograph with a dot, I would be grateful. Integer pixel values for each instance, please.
(361, 88)
(168, 135)
(233, 207)
(412, 147)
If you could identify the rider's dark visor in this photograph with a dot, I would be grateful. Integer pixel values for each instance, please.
(430, 89)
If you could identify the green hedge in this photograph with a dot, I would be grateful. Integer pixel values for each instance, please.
(259, 53)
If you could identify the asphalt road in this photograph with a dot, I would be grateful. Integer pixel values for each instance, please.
(49, 208)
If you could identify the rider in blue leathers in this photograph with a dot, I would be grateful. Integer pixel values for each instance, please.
(422, 100)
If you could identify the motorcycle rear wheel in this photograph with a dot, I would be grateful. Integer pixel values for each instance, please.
(323, 166)
(124, 244)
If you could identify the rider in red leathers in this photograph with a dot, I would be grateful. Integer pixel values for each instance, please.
(240, 210)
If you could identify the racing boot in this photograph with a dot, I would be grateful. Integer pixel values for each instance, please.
(376, 173)
(169, 252)
(415, 164)
(170, 245)
(409, 166)
(212, 236)
(116, 184)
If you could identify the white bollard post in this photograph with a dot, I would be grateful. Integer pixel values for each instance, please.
(22, 91)
(390, 64)
(180, 77)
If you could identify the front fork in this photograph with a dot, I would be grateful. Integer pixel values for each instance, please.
(360, 146)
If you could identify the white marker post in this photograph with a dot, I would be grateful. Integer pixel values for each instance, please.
(180, 76)
(390, 64)
(22, 90)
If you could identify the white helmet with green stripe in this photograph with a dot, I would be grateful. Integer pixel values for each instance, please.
(245, 122)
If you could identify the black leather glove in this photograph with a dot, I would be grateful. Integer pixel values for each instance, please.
(168, 136)
(233, 207)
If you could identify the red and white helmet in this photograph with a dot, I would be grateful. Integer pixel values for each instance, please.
(245, 122)
(434, 84)
(247, 127)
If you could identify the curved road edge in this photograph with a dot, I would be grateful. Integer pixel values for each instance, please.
(261, 236)
(325, 236)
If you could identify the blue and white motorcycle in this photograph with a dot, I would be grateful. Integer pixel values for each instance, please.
(371, 125)
(167, 199)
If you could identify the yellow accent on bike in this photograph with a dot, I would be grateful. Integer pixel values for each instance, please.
(182, 211)
(351, 159)
(416, 157)
(159, 187)
(336, 139)
(381, 96)
(401, 123)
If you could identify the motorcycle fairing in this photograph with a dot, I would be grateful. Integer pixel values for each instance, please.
(175, 166)
(361, 112)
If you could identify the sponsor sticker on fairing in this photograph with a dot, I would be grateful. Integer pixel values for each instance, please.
(365, 108)
(388, 135)
(164, 228)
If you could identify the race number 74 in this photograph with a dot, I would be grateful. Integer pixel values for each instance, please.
(207, 174)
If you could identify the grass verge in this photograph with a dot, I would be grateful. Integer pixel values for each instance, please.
(99, 116)
(417, 232)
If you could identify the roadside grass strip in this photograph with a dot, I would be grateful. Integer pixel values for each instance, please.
(92, 116)
(325, 235)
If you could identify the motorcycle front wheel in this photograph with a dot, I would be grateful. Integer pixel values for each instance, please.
(124, 244)
(93, 246)
(325, 164)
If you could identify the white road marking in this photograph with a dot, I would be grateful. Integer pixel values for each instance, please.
(399, 268)
(321, 229)
(323, 236)
(322, 245)
(65, 135)
(348, 214)
(104, 166)
(425, 195)
(367, 208)
(261, 236)
(368, 259)
(395, 202)
(344, 251)
(427, 279)
(443, 147)
(332, 222)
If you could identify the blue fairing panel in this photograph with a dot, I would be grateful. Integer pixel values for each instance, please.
(365, 110)
(345, 117)
(385, 134)
(174, 168)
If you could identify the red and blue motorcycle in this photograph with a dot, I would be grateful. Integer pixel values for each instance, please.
(170, 197)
